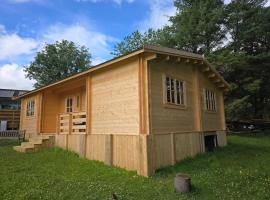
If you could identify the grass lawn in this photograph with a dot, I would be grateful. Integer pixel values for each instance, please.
(239, 171)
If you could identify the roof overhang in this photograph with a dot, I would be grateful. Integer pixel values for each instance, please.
(156, 50)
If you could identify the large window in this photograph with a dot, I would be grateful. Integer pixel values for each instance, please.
(210, 100)
(175, 91)
(30, 108)
(69, 104)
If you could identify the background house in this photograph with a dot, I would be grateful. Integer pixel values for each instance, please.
(10, 109)
(141, 111)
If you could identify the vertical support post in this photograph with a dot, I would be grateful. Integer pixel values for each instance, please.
(70, 124)
(222, 112)
(197, 100)
(88, 103)
(109, 149)
(39, 100)
(146, 165)
(173, 157)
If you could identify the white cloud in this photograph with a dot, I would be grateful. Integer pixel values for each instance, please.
(12, 45)
(12, 76)
(119, 2)
(19, 51)
(160, 11)
(97, 42)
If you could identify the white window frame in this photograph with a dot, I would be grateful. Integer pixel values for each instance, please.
(176, 90)
(69, 107)
(210, 100)
(30, 108)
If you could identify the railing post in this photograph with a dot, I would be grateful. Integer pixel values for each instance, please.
(70, 124)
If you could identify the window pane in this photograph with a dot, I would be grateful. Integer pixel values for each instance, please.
(172, 90)
(182, 92)
(78, 101)
(178, 101)
(168, 93)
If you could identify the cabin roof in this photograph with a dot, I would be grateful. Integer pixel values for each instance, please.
(146, 48)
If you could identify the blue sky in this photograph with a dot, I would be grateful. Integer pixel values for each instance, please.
(26, 25)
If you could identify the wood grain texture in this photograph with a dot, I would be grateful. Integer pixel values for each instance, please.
(30, 123)
(165, 119)
(114, 100)
(211, 121)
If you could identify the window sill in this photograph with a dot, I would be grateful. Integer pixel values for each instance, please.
(211, 111)
(30, 117)
(174, 106)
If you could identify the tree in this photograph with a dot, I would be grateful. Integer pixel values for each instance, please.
(197, 25)
(235, 38)
(245, 60)
(136, 40)
(58, 61)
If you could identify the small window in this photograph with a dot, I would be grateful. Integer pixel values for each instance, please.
(69, 104)
(174, 91)
(210, 100)
(30, 108)
(78, 101)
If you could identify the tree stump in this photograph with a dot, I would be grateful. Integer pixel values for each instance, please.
(182, 183)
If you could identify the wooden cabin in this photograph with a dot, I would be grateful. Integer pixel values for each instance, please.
(141, 111)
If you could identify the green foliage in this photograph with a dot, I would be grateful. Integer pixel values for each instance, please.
(58, 61)
(227, 173)
(197, 26)
(234, 37)
(136, 40)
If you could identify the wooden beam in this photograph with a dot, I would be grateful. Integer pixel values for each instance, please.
(178, 59)
(187, 60)
(226, 90)
(221, 85)
(211, 75)
(167, 58)
(195, 61)
(217, 81)
(206, 69)
(202, 62)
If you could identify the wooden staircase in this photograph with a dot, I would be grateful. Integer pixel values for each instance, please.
(35, 144)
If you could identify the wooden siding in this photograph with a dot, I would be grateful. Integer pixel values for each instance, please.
(167, 149)
(125, 151)
(211, 120)
(30, 123)
(72, 93)
(169, 119)
(49, 112)
(114, 104)
(128, 124)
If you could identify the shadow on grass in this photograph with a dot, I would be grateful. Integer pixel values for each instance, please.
(9, 142)
(239, 151)
(251, 134)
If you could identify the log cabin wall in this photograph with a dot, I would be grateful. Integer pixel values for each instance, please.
(31, 123)
(114, 103)
(113, 133)
(178, 131)
(128, 124)
(211, 120)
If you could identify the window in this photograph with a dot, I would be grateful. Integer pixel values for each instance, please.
(30, 108)
(174, 91)
(210, 100)
(69, 103)
(78, 101)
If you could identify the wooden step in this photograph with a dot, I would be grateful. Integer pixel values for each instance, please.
(24, 149)
(35, 144)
